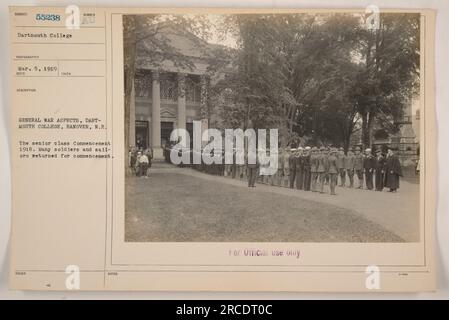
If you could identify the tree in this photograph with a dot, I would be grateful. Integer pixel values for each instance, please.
(390, 77)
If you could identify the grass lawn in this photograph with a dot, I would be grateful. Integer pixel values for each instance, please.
(173, 207)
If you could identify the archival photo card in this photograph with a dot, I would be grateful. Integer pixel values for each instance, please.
(223, 149)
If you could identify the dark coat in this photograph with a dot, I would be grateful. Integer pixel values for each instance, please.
(306, 163)
(393, 171)
(369, 163)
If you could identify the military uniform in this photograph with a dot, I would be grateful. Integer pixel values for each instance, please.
(358, 167)
(292, 165)
(314, 169)
(252, 173)
(333, 170)
(299, 170)
(286, 168)
(349, 167)
(341, 166)
(306, 169)
(280, 171)
(322, 169)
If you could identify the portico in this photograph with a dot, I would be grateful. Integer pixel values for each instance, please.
(162, 101)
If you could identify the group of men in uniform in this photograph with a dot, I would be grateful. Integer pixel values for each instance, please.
(313, 168)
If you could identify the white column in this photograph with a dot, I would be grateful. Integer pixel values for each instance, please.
(181, 102)
(156, 116)
(132, 117)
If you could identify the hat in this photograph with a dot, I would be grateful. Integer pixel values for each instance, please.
(341, 149)
(300, 148)
(378, 151)
(357, 149)
(307, 148)
(322, 148)
(367, 150)
(293, 149)
(314, 149)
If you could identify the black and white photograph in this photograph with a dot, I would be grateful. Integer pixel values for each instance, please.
(281, 127)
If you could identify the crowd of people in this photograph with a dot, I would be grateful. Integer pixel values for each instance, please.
(315, 169)
(139, 161)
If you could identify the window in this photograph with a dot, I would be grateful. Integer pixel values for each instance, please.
(168, 89)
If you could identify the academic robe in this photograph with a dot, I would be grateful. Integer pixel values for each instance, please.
(380, 170)
(393, 171)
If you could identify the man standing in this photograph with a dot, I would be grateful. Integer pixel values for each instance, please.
(292, 166)
(341, 166)
(322, 168)
(143, 164)
(393, 171)
(306, 169)
(349, 167)
(252, 165)
(286, 167)
(333, 170)
(299, 169)
(368, 168)
(240, 153)
(358, 166)
(314, 168)
(280, 171)
(379, 174)
(133, 159)
(149, 154)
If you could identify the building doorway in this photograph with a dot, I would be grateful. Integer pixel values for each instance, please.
(142, 137)
(166, 129)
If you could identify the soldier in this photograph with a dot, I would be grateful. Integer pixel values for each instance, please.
(252, 169)
(368, 168)
(393, 171)
(379, 173)
(292, 166)
(280, 171)
(286, 167)
(306, 169)
(272, 177)
(322, 168)
(358, 166)
(299, 169)
(314, 168)
(233, 165)
(240, 166)
(326, 154)
(349, 166)
(332, 169)
(263, 166)
(341, 166)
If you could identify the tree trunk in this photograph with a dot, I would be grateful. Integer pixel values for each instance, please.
(370, 129)
(365, 133)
